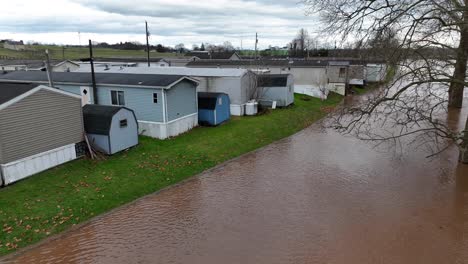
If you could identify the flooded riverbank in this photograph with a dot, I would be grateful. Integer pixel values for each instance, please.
(315, 197)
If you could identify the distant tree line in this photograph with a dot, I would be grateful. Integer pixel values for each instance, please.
(134, 46)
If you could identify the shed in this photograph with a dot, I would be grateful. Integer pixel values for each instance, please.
(213, 108)
(40, 128)
(110, 129)
(277, 88)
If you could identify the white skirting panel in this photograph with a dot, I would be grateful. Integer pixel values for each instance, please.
(237, 110)
(23, 168)
(170, 129)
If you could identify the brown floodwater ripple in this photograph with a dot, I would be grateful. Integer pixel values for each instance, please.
(315, 197)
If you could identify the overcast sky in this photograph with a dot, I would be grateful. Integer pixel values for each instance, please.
(170, 21)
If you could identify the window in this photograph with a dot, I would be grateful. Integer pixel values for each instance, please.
(220, 101)
(155, 98)
(342, 73)
(117, 98)
(123, 123)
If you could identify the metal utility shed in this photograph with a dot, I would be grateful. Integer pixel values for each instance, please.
(213, 108)
(110, 129)
(40, 128)
(276, 87)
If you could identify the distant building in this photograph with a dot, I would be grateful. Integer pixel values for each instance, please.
(208, 55)
(37, 65)
(14, 45)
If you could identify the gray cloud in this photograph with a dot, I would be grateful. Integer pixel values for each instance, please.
(171, 21)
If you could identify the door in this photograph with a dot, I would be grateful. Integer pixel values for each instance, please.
(85, 95)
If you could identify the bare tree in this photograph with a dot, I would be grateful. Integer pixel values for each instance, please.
(416, 100)
(228, 46)
(301, 43)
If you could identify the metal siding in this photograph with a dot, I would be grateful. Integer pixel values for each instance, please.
(223, 112)
(247, 88)
(278, 94)
(206, 116)
(356, 72)
(309, 76)
(75, 89)
(40, 122)
(126, 137)
(333, 74)
(100, 142)
(140, 100)
(181, 100)
(228, 85)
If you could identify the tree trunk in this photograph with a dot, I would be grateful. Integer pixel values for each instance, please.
(464, 145)
(457, 85)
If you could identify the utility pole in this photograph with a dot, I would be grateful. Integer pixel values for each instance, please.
(93, 76)
(147, 44)
(48, 69)
(256, 43)
(63, 52)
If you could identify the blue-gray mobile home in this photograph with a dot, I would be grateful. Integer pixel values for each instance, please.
(165, 105)
(110, 129)
(213, 108)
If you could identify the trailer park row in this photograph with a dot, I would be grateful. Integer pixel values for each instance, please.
(43, 126)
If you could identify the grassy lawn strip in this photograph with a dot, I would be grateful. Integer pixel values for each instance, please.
(74, 53)
(54, 200)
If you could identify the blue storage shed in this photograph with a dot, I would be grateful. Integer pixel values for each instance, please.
(213, 108)
(110, 129)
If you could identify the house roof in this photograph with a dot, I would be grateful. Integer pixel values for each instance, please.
(273, 80)
(127, 59)
(211, 55)
(9, 91)
(208, 100)
(98, 118)
(184, 71)
(260, 63)
(32, 64)
(121, 79)
(13, 42)
(339, 63)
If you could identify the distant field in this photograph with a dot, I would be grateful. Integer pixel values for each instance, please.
(73, 53)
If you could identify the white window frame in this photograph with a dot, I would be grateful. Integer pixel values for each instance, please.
(157, 98)
(118, 101)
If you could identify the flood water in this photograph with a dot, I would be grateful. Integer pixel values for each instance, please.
(315, 197)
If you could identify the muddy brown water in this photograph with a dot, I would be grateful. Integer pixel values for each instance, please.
(315, 197)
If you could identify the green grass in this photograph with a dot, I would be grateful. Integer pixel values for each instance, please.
(73, 53)
(53, 201)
